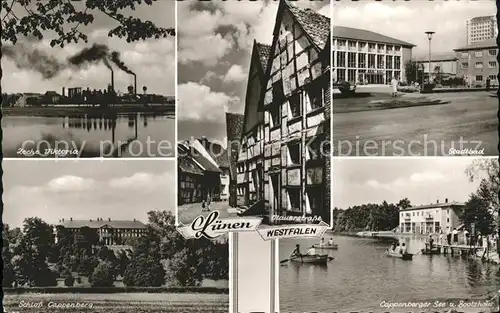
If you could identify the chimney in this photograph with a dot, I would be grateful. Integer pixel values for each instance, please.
(63, 92)
(112, 80)
(135, 84)
(90, 220)
(71, 219)
(63, 219)
(109, 219)
(204, 142)
(437, 201)
(134, 220)
(446, 200)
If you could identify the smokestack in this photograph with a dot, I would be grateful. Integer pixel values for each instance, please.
(112, 80)
(63, 92)
(135, 84)
(446, 200)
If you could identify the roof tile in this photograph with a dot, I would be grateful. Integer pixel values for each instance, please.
(264, 52)
(317, 26)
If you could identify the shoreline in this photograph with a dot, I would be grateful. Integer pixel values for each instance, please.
(90, 111)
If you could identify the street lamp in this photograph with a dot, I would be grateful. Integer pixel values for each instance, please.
(429, 36)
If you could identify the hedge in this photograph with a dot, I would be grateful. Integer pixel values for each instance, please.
(213, 290)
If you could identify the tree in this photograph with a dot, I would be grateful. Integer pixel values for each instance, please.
(35, 18)
(69, 280)
(487, 171)
(438, 74)
(145, 269)
(411, 69)
(477, 213)
(103, 275)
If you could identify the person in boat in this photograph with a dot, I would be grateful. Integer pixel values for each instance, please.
(322, 242)
(330, 242)
(431, 242)
(393, 247)
(311, 251)
(295, 252)
(397, 248)
(455, 236)
(402, 250)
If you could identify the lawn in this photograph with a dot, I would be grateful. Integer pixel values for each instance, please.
(118, 303)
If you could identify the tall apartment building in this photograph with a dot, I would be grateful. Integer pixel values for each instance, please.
(366, 57)
(283, 164)
(477, 62)
(481, 28)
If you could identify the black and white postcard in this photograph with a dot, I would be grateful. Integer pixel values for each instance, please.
(409, 235)
(415, 78)
(100, 236)
(88, 78)
(254, 111)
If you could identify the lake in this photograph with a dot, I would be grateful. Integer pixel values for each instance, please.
(113, 135)
(361, 277)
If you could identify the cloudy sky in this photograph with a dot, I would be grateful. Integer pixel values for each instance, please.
(215, 42)
(421, 180)
(86, 189)
(408, 20)
(152, 60)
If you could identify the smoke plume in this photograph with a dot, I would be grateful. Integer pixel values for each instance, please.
(89, 55)
(28, 57)
(115, 57)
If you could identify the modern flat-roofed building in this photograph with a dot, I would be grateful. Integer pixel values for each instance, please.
(481, 28)
(431, 218)
(365, 57)
(477, 62)
(110, 232)
(446, 62)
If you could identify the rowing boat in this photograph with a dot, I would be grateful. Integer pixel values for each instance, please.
(329, 247)
(431, 251)
(406, 256)
(312, 259)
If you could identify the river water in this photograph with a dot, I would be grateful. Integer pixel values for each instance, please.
(361, 277)
(147, 135)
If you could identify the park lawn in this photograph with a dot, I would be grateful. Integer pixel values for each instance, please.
(122, 302)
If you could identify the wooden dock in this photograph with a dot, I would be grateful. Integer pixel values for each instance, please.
(456, 249)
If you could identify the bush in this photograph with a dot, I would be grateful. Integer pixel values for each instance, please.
(428, 87)
(69, 280)
(345, 87)
(103, 275)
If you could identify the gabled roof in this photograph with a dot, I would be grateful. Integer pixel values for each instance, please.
(315, 25)
(264, 51)
(99, 224)
(217, 153)
(185, 162)
(204, 162)
(435, 205)
(366, 35)
(484, 44)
